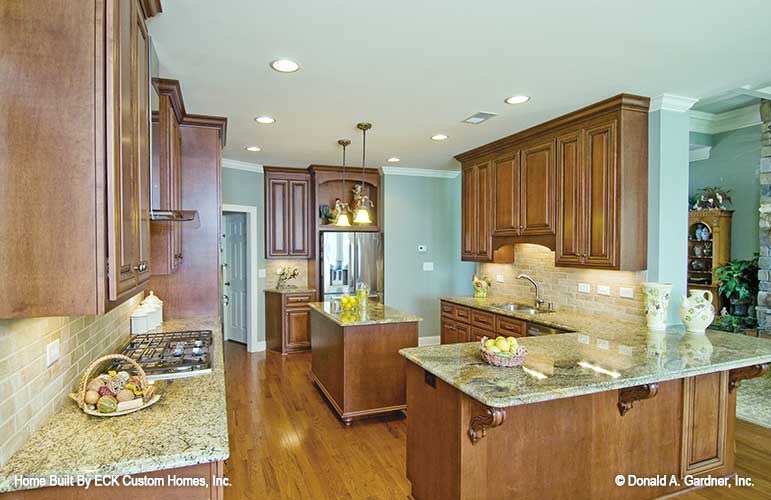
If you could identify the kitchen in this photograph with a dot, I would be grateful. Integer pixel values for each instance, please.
(542, 222)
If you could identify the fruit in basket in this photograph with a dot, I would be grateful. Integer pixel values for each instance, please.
(95, 384)
(512, 343)
(107, 404)
(91, 397)
(502, 344)
(105, 391)
(489, 344)
(124, 395)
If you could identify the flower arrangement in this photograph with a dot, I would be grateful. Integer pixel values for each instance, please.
(711, 198)
(286, 273)
(480, 285)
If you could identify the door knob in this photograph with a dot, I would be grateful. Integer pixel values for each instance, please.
(227, 299)
(227, 283)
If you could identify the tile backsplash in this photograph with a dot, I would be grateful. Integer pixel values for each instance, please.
(30, 392)
(272, 266)
(560, 284)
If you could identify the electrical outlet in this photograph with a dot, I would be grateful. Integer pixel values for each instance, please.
(499, 278)
(422, 248)
(584, 288)
(626, 292)
(603, 290)
(428, 266)
(261, 273)
(603, 344)
(52, 352)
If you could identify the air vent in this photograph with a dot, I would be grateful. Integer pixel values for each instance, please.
(480, 117)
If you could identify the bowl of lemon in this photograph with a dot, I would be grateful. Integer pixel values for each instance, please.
(347, 302)
(502, 351)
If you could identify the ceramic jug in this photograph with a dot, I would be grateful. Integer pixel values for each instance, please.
(697, 311)
(656, 304)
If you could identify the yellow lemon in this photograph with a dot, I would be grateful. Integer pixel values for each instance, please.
(502, 344)
(489, 344)
(499, 337)
(512, 343)
(493, 349)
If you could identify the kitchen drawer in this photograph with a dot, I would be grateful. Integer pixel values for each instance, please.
(510, 327)
(448, 310)
(484, 320)
(297, 299)
(462, 314)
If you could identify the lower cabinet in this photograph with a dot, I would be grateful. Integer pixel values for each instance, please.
(464, 324)
(287, 320)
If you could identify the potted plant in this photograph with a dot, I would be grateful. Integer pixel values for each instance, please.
(739, 284)
(711, 198)
(732, 323)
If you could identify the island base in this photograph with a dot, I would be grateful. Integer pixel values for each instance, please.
(576, 447)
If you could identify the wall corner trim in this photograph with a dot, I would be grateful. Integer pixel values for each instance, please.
(669, 102)
(420, 172)
(242, 165)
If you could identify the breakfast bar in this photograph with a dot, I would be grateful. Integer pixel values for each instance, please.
(355, 357)
(584, 409)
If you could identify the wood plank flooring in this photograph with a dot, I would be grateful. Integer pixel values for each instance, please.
(287, 443)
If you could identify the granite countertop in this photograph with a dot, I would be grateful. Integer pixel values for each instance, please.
(291, 289)
(614, 355)
(375, 314)
(187, 426)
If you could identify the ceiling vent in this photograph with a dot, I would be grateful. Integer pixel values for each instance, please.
(480, 117)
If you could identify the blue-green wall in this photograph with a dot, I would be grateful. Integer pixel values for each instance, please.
(423, 211)
(733, 163)
(240, 187)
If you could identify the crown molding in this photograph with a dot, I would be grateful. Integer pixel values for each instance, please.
(420, 172)
(709, 123)
(669, 102)
(699, 153)
(242, 165)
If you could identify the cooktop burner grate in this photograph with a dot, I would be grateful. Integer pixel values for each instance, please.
(170, 354)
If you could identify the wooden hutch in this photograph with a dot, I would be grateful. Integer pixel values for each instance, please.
(709, 247)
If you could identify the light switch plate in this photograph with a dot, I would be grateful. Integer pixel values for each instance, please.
(626, 292)
(499, 278)
(603, 344)
(603, 290)
(52, 352)
(422, 248)
(261, 273)
(428, 266)
(584, 288)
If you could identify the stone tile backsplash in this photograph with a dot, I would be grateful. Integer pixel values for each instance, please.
(272, 266)
(30, 392)
(560, 284)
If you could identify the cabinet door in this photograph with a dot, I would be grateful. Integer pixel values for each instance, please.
(175, 163)
(447, 333)
(298, 328)
(299, 217)
(141, 90)
(506, 195)
(570, 213)
(468, 203)
(482, 212)
(600, 188)
(538, 189)
(277, 218)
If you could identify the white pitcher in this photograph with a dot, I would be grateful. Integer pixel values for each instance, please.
(697, 311)
(656, 304)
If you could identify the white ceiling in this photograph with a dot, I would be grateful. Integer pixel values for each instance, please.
(415, 68)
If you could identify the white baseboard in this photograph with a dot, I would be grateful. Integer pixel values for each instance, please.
(259, 347)
(435, 340)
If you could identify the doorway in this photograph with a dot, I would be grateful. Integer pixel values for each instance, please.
(239, 270)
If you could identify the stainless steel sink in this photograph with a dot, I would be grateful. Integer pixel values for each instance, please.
(520, 308)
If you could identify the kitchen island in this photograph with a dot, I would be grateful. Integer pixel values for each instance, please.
(585, 408)
(355, 358)
(185, 434)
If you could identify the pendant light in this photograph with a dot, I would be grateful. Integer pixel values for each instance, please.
(342, 217)
(362, 214)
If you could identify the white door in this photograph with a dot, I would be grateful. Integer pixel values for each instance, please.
(235, 301)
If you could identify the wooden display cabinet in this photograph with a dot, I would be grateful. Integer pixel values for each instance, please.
(709, 247)
(331, 182)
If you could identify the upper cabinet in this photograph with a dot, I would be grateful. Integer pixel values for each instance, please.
(476, 226)
(74, 236)
(576, 184)
(287, 213)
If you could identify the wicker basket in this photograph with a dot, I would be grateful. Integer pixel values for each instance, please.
(80, 396)
(491, 358)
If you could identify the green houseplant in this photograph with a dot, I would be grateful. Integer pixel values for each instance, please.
(738, 281)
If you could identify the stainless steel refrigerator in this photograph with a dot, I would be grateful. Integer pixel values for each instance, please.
(349, 258)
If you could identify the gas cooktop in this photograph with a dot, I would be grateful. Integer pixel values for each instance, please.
(170, 354)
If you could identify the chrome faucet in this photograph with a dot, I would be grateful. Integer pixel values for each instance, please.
(538, 297)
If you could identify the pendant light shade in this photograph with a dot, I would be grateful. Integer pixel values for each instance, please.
(362, 214)
(342, 217)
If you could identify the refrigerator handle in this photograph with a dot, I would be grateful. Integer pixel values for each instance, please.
(354, 262)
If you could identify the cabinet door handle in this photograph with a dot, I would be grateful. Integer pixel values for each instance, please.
(142, 266)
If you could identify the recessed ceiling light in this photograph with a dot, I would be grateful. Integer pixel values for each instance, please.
(517, 99)
(285, 65)
(438, 137)
(265, 120)
(252, 149)
(393, 159)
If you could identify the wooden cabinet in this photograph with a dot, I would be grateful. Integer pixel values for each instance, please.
(576, 184)
(468, 324)
(167, 176)
(287, 214)
(454, 332)
(287, 320)
(709, 247)
(76, 181)
(476, 224)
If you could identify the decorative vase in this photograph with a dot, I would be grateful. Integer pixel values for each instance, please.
(480, 292)
(697, 311)
(656, 304)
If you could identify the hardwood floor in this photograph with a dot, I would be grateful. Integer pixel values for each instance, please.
(287, 443)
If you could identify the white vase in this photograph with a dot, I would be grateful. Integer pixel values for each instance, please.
(656, 304)
(697, 311)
